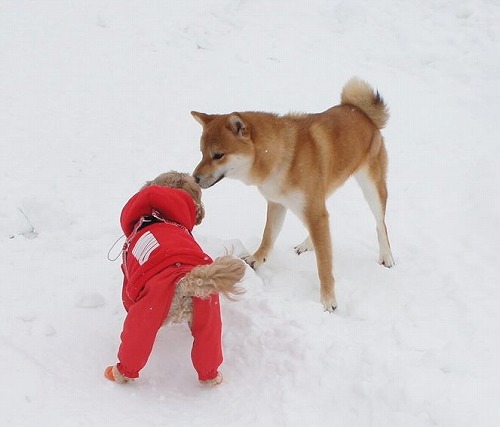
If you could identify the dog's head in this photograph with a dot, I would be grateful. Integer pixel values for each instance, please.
(226, 147)
(181, 181)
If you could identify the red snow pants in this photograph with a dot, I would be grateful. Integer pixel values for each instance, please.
(145, 317)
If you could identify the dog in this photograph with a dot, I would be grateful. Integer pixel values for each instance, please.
(169, 279)
(297, 161)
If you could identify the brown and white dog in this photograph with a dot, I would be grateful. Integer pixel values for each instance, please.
(297, 161)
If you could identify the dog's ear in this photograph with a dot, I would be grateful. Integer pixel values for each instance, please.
(202, 118)
(238, 126)
(200, 213)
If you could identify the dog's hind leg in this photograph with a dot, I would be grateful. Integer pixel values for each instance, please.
(371, 179)
(317, 222)
(275, 217)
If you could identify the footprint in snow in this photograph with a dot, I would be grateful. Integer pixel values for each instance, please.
(90, 300)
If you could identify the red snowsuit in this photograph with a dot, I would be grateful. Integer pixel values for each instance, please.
(155, 258)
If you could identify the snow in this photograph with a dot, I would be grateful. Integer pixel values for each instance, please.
(95, 99)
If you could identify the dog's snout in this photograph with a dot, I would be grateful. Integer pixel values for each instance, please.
(197, 179)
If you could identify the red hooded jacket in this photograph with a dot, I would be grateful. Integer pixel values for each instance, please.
(155, 258)
(161, 245)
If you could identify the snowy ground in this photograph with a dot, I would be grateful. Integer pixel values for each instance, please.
(95, 99)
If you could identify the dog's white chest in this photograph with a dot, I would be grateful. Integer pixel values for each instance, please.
(273, 191)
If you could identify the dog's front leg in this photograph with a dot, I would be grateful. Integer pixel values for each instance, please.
(317, 222)
(275, 217)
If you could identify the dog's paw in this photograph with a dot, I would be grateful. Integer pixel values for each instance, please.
(329, 303)
(213, 382)
(253, 262)
(300, 249)
(305, 246)
(386, 260)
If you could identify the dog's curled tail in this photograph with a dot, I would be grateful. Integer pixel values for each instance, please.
(359, 93)
(222, 276)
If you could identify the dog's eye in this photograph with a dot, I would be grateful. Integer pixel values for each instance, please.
(218, 156)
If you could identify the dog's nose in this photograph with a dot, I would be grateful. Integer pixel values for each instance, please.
(197, 179)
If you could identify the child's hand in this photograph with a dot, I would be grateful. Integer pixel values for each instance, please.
(113, 374)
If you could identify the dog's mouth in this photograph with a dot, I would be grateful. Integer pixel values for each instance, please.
(207, 184)
(217, 180)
